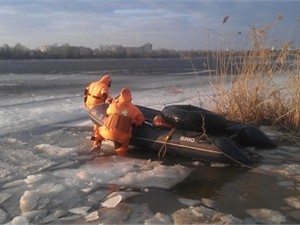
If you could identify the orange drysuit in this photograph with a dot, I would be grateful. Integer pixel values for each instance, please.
(160, 122)
(122, 114)
(97, 92)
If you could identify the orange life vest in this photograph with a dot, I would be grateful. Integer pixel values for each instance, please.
(121, 115)
(118, 122)
(97, 92)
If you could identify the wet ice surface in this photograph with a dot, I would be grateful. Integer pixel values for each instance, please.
(48, 175)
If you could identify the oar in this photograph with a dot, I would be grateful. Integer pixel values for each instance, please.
(231, 151)
(98, 113)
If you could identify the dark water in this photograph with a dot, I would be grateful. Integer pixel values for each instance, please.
(137, 66)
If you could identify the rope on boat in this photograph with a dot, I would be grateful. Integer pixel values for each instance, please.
(163, 150)
(228, 156)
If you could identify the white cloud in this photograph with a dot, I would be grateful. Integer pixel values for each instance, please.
(170, 24)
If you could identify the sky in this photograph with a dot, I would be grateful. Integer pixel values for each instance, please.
(176, 24)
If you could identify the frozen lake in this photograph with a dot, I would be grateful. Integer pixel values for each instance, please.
(48, 175)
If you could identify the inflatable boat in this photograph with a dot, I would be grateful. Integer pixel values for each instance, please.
(195, 133)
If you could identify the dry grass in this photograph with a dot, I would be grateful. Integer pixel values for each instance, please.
(264, 88)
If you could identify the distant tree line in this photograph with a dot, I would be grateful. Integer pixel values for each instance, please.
(67, 51)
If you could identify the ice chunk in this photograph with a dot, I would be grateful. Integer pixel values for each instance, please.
(112, 202)
(43, 202)
(293, 202)
(55, 151)
(20, 220)
(288, 170)
(3, 216)
(208, 202)
(266, 216)
(92, 216)
(83, 175)
(28, 201)
(124, 194)
(4, 197)
(289, 184)
(69, 218)
(35, 213)
(158, 218)
(153, 174)
(34, 178)
(14, 141)
(95, 197)
(188, 202)
(115, 215)
(53, 216)
(13, 184)
(47, 188)
(202, 215)
(80, 210)
(218, 165)
(4, 172)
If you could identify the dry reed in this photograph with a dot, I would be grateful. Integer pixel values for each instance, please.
(248, 89)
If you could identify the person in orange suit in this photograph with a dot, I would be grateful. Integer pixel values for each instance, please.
(160, 122)
(122, 114)
(96, 93)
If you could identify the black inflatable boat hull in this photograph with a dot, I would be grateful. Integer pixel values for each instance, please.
(193, 118)
(180, 142)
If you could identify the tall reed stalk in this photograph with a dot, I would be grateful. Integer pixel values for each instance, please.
(259, 85)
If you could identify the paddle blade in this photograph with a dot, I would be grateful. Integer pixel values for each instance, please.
(231, 151)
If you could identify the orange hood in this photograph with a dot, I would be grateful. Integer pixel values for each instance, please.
(106, 79)
(125, 96)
